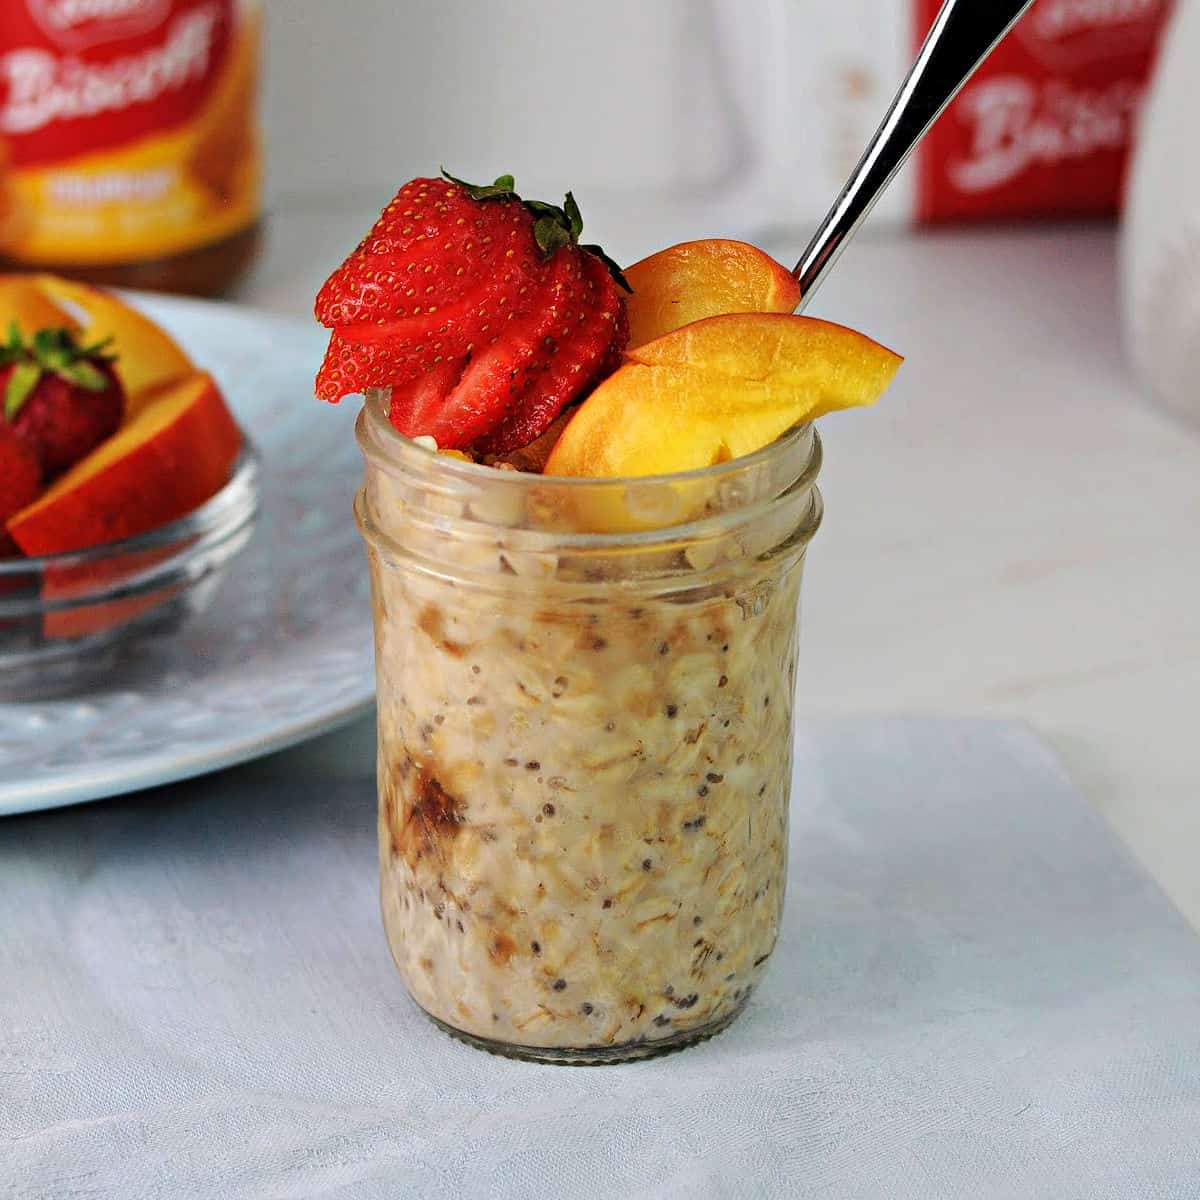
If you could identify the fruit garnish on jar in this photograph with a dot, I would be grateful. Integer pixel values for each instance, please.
(503, 339)
(481, 311)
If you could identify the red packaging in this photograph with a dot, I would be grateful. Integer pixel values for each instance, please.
(127, 129)
(1045, 126)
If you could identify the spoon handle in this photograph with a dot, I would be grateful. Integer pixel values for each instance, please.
(963, 35)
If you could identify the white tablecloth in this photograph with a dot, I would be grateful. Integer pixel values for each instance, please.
(977, 993)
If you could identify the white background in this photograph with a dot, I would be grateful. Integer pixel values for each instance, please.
(661, 116)
(1013, 531)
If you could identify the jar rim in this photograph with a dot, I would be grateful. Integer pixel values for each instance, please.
(374, 427)
(414, 496)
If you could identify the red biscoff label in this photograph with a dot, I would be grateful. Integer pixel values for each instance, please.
(127, 127)
(1045, 126)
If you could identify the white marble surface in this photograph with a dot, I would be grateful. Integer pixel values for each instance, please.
(1012, 532)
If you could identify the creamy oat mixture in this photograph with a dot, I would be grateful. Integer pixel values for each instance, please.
(583, 806)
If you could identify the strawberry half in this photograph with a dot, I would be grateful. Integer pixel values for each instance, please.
(20, 482)
(60, 398)
(471, 305)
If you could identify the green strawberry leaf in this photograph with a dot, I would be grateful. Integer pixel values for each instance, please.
(54, 351)
(574, 216)
(14, 350)
(19, 388)
(100, 351)
(83, 374)
(54, 348)
(550, 235)
(614, 270)
(554, 227)
(504, 185)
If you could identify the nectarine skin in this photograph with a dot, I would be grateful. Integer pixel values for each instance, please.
(173, 455)
(719, 389)
(707, 278)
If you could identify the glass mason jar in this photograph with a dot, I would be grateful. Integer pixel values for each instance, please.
(585, 739)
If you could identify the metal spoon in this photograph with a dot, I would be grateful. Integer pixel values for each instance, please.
(964, 34)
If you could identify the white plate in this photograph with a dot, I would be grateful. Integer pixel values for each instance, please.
(284, 650)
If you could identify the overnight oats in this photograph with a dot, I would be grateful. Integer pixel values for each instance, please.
(586, 537)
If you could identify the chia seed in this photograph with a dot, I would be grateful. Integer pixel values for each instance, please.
(672, 709)
(560, 985)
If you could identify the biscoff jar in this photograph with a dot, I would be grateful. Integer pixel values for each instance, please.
(129, 145)
(585, 737)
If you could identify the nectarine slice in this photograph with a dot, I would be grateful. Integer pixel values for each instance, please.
(719, 389)
(694, 280)
(148, 358)
(25, 302)
(170, 457)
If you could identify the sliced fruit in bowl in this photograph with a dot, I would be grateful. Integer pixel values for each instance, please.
(61, 397)
(175, 453)
(147, 357)
(114, 447)
(20, 483)
(66, 618)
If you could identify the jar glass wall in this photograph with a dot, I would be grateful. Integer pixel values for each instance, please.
(585, 728)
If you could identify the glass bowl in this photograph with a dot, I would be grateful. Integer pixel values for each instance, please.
(65, 619)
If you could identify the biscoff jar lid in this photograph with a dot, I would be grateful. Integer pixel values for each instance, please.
(455, 518)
